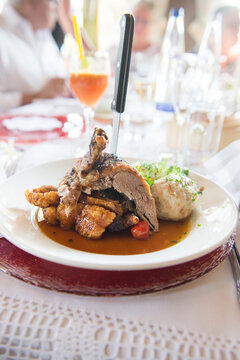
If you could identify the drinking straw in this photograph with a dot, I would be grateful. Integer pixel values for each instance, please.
(79, 40)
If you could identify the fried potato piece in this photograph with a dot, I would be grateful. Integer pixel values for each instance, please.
(43, 196)
(93, 221)
(67, 214)
(50, 214)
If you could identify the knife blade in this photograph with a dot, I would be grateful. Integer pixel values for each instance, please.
(122, 74)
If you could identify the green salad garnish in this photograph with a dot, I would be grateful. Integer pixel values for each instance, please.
(154, 171)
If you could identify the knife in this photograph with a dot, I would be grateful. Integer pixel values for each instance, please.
(235, 264)
(234, 258)
(122, 74)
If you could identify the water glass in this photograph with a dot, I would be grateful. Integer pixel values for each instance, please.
(184, 88)
(202, 133)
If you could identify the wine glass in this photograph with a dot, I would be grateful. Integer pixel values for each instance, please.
(89, 80)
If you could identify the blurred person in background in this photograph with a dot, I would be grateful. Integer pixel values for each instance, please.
(143, 60)
(230, 36)
(143, 66)
(143, 49)
(143, 13)
(63, 24)
(31, 66)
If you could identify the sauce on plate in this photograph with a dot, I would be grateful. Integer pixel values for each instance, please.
(120, 243)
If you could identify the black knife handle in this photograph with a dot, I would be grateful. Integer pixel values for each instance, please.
(123, 63)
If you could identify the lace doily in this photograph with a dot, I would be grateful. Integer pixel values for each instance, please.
(32, 330)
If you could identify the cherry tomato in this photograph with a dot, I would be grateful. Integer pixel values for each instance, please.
(140, 230)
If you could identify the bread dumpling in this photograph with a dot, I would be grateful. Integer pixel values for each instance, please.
(175, 196)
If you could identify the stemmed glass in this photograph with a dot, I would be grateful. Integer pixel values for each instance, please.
(88, 80)
(211, 43)
(209, 58)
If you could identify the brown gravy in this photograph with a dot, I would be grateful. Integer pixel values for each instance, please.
(120, 243)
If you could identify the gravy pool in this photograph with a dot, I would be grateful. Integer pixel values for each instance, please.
(120, 243)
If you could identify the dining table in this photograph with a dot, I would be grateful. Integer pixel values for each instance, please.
(196, 320)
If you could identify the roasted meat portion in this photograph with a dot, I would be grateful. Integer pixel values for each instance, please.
(93, 221)
(123, 222)
(97, 145)
(67, 214)
(107, 171)
(112, 205)
(101, 191)
(69, 189)
(50, 214)
(44, 196)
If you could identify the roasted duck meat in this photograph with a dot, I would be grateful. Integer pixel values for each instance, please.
(98, 171)
(101, 191)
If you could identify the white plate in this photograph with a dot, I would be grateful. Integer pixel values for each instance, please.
(214, 219)
(35, 123)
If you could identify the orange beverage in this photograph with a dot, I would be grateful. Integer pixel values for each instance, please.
(88, 87)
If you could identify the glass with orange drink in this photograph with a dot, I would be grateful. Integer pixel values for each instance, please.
(88, 80)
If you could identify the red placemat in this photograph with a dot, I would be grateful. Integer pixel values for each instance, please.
(33, 136)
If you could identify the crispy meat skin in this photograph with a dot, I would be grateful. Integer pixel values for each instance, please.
(112, 205)
(43, 196)
(100, 176)
(93, 221)
(69, 188)
(98, 143)
(67, 214)
(50, 214)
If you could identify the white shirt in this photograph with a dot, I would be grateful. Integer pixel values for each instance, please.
(27, 58)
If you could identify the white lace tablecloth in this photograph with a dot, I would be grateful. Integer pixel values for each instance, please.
(198, 320)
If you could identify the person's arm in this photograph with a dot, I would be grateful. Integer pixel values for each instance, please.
(65, 20)
(53, 88)
(9, 100)
(64, 16)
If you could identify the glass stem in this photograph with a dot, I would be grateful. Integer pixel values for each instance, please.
(88, 114)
